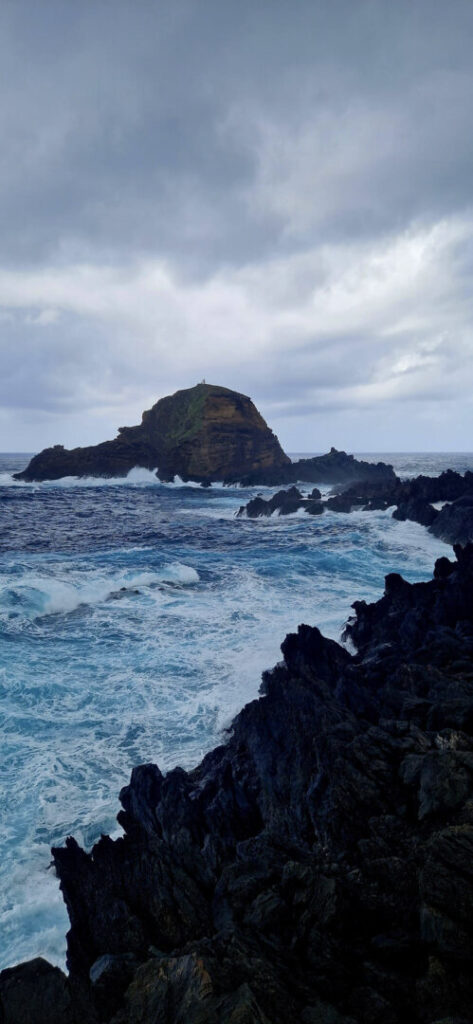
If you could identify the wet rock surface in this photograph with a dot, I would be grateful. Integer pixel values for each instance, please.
(415, 499)
(316, 867)
(412, 499)
(454, 522)
(284, 503)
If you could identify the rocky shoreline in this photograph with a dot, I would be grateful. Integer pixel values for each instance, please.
(414, 499)
(317, 867)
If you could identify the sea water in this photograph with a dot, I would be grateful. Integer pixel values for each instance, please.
(135, 621)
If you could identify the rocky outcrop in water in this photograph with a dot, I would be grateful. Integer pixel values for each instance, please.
(203, 433)
(334, 468)
(417, 511)
(284, 503)
(206, 434)
(414, 500)
(317, 867)
(453, 522)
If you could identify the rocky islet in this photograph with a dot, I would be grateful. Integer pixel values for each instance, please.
(205, 433)
(202, 433)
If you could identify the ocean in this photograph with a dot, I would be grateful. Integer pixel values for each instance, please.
(135, 621)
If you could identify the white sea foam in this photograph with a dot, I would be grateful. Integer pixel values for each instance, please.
(6, 480)
(138, 477)
(49, 595)
(179, 482)
(153, 676)
(38, 907)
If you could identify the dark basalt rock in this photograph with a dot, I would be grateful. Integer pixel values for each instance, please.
(453, 523)
(314, 508)
(417, 510)
(284, 503)
(203, 433)
(336, 467)
(315, 867)
(447, 487)
(368, 495)
(36, 993)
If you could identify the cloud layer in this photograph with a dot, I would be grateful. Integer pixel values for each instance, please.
(277, 200)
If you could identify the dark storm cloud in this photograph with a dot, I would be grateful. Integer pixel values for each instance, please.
(148, 126)
(277, 197)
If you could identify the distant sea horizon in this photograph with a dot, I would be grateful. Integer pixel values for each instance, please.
(310, 454)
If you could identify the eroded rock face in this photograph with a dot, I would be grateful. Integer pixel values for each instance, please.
(203, 433)
(318, 865)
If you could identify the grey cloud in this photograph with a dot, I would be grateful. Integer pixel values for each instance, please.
(215, 140)
(139, 126)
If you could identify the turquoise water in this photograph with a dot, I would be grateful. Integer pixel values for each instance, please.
(135, 620)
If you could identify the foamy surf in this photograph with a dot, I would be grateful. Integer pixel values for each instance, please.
(137, 477)
(38, 596)
(95, 678)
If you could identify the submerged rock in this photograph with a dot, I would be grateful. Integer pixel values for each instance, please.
(315, 867)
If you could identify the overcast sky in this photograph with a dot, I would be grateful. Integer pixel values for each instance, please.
(276, 196)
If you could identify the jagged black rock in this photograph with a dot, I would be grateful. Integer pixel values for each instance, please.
(412, 499)
(316, 867)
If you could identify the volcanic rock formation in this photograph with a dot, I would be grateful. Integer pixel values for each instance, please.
(284, 503)
(317, 867)
(336, 467)
(415, 500)
(203, 433)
